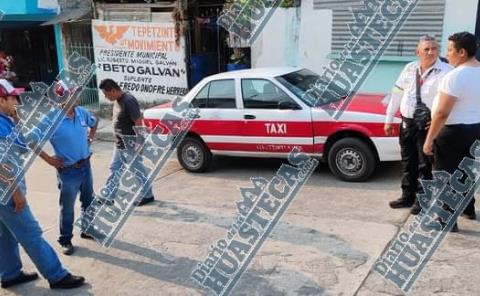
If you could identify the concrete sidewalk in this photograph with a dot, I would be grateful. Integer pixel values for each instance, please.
(325, 244)
(105, 130)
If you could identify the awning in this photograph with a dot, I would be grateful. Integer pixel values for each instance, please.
(68, 16)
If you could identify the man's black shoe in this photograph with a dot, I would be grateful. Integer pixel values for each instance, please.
(416, 208)
(68, 282)
(86, 236)
(108, 202)
(454, 227)
(146, 201)
(470, 216)
(67, 249)
(22, 278)
(400, 203)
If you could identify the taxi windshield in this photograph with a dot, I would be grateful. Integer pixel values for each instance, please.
(299, 82)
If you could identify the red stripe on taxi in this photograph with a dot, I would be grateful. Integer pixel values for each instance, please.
(294, 129)
(271, 148)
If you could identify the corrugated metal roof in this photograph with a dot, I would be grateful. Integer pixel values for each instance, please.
(68, 16)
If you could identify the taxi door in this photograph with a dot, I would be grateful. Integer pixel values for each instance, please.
(273, 122)
(219, 121)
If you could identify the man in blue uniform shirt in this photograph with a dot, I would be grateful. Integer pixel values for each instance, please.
(71, 143)
(18, 225)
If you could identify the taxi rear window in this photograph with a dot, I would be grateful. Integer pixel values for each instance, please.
(216, 94)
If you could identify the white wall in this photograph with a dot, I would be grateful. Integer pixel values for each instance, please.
(161, 17)
(460, 15)
(315, 37)
(278, 45)
(269, 47)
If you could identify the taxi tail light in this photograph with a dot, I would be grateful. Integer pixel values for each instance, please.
(164, 125)
(151, 124)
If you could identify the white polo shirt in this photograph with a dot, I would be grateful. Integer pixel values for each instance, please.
(464, 84)
(407, 82)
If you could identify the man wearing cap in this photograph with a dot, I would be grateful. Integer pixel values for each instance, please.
(71, 143)
(17, 223)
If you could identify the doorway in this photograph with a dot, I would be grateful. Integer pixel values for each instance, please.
(209, 47)
(33, 51)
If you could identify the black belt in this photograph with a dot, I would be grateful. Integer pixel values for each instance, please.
(463, 126)
(78, 165)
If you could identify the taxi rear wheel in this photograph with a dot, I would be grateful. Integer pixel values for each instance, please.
(193, 155)
(351, 159)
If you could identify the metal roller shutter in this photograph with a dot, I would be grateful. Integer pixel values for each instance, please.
(427, 18)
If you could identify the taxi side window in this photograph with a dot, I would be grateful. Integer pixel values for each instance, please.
(216, 94)
(262, 94)
(222, 94)
(200, 100)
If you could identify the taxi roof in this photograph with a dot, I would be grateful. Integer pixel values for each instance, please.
(257, 72)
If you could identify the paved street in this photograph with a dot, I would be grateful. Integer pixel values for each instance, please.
(325, 244)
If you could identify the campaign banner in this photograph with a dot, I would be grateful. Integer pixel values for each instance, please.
(143, 58)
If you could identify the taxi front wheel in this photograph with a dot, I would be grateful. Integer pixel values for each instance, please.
(351, 159)
(193, 155)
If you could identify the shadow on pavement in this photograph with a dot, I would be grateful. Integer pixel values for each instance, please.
(469, 232)
(329, 243)
(177, 270)
(238, 168)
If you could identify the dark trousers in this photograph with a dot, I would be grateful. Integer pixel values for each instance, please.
(451, 146)
(415, 164)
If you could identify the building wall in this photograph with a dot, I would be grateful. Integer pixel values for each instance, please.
(277, 44)
(274, 45)
(14, 7)
(460, 15)
(24, 10)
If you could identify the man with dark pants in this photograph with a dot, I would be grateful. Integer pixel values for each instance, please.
(415, 164)
(126, 115)
(18, 225)
(71, 143)
(456, 111)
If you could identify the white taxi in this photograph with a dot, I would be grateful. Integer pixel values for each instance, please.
(262, 113)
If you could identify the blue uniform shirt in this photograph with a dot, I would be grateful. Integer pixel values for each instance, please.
(6, 127)
(70, 140)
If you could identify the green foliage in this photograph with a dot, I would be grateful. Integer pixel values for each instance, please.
(283, 4)
(239, 57)
(287, 3)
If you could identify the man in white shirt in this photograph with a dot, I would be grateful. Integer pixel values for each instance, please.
(456, 112)
(415, 163)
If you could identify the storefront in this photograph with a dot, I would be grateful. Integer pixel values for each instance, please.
(211, 50)
(29, 48)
